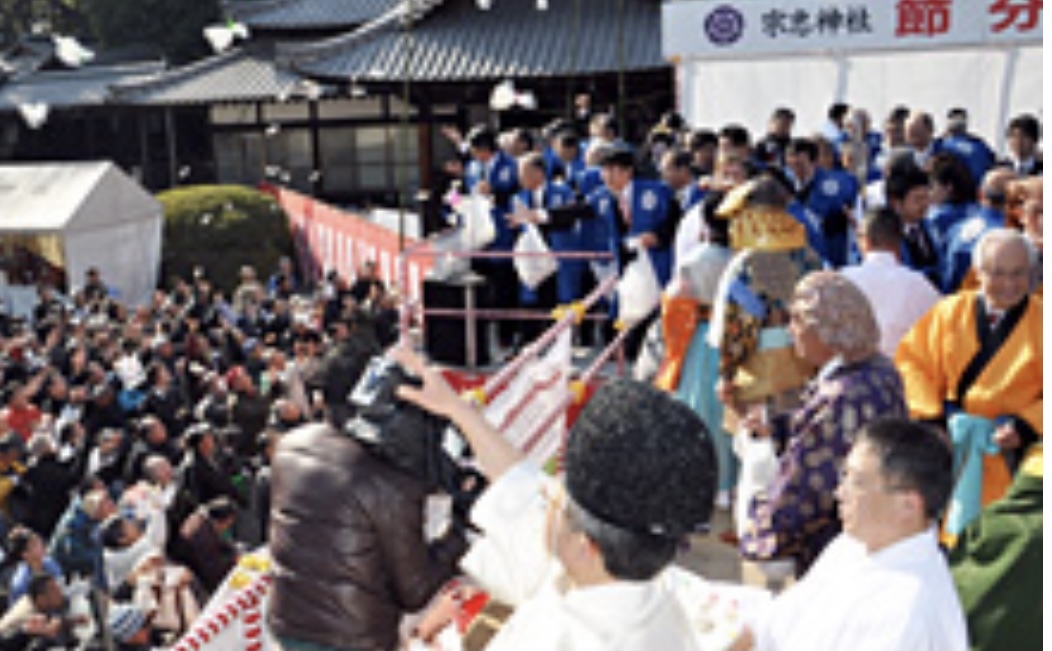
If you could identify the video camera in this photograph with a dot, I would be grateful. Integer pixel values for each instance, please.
(426, 446)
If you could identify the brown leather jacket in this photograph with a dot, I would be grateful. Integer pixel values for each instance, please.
(346, 536)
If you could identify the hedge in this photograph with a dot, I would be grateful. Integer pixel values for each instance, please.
(221, 228)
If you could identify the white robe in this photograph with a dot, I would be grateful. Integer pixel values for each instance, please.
(901, 598)
(512, 563)
(689, 234)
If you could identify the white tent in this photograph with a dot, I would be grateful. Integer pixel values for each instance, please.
(82, 215)
(736, 60)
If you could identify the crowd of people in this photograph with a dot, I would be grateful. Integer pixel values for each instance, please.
(135, 443)
(813, 287)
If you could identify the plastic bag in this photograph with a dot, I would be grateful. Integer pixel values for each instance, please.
(638, 291)
(533, 269)
(477, 229)
(759, 465)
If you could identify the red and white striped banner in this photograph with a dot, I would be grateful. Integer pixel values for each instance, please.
(327, 238)
(235, 618)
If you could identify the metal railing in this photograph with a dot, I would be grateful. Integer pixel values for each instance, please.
(565, 317)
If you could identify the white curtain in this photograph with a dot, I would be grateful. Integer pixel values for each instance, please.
(993, 84)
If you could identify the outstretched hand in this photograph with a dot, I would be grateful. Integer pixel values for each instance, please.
(435, 394)
(1007, 437)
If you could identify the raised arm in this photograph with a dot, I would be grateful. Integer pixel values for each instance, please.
(494, 453)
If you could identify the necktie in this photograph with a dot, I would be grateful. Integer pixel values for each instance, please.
(916, 237)
(626, 209)
(993, 319)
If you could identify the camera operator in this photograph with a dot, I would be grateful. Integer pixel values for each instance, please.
(583, 561)
(346, 528)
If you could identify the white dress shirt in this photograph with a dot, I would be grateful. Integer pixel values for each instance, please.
(874, 196)
(624, 203)
(900, 598)
(689, 233)
(899, 296)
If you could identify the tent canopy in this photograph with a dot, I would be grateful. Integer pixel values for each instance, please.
(84, 215)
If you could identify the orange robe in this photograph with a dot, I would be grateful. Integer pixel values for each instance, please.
(935, 353)
(680, 317)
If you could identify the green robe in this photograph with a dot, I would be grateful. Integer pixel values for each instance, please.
(997, 568)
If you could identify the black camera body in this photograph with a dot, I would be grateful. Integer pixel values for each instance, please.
(413, 440)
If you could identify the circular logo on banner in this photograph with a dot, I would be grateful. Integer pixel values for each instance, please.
(724, 25)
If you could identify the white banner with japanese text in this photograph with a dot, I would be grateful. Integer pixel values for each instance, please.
(742, 28)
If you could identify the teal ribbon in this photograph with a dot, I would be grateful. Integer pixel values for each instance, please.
(774, 338)
(973, 437)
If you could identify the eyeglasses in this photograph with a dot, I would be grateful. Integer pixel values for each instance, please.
(870, 483)
(1007, 274)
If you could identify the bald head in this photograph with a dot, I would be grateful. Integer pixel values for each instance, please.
(995, 187)
(920, 129)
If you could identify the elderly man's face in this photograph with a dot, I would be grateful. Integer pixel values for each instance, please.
(1004, 274)
(808, 345)
(161, 471)
(530, 177)
(918, 135)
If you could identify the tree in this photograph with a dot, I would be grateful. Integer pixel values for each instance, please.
(175, 25)
(19, 18)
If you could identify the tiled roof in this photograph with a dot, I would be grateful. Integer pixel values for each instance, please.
(243, 74)
(306, 14)
(458, 42)
(26, 57)
(88, 86)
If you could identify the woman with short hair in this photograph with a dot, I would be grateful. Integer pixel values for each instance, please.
(833, 327)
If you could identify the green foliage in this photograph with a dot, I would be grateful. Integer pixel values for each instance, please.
(176, 25)
(221, 228)
(19, 18)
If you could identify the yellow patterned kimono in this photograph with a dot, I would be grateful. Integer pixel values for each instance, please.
(935, 353)
(751, 312)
